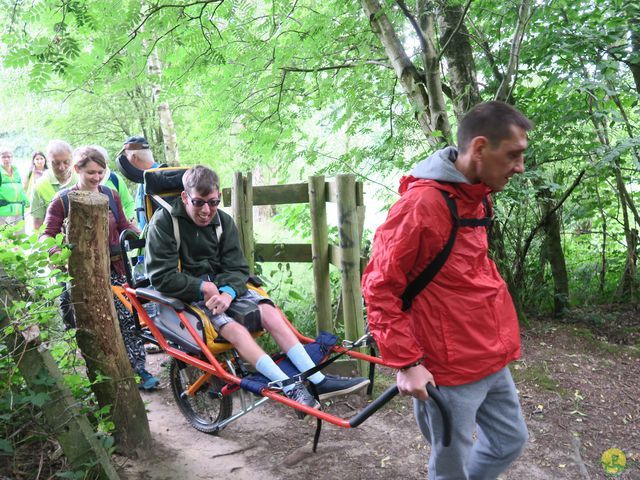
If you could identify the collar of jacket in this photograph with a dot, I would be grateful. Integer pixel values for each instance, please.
(463, 191)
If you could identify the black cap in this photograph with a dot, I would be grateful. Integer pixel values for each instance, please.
(136, 143)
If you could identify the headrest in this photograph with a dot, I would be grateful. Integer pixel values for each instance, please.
(163, 180)
(130, 172)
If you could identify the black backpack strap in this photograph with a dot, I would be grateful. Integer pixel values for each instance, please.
(428, 274)
(479, 222)
(114, 179)
(422, 280)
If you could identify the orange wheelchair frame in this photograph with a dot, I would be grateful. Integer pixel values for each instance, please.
(203, 382)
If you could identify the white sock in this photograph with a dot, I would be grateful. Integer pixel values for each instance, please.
(267, 367)
(301, 359)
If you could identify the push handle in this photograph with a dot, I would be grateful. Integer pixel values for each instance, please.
(391, 392)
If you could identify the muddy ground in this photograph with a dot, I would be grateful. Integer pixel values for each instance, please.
(579, 388)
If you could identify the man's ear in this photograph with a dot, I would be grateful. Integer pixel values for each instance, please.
(184, 197)
(477, 147)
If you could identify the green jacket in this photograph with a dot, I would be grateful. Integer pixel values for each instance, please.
(200, 254)
(45, 189)
(12, 192)
(123, 192)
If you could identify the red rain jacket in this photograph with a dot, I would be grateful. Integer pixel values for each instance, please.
(463, 323)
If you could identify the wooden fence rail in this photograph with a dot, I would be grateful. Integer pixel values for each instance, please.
(317, 192)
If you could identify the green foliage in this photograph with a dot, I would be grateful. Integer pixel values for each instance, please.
(293, 89)
(38, 279)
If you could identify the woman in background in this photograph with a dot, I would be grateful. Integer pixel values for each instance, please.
(37, 168)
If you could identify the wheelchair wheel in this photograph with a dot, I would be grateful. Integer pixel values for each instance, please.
(204, 410)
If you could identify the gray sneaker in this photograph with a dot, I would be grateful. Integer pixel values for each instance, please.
(300, 394)
(332, 386)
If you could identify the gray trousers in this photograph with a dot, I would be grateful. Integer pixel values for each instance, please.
(491, 408)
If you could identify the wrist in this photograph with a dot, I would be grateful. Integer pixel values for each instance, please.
(228, 290)
(412, 365)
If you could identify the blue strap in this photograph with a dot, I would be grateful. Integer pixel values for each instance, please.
(114, 179)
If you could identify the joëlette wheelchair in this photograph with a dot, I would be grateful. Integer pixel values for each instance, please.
(206, 372)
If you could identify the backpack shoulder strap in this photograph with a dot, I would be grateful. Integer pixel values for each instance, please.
(113, 206)
(114, 179)
(64, 198)
(176, 228)
(431, 270)
(423, 279)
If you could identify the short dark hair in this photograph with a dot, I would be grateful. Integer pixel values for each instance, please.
(201, 179)
(492, 120)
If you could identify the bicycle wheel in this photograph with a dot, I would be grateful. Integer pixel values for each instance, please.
(206, 408)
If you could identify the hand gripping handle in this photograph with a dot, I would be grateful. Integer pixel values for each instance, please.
(391, 392)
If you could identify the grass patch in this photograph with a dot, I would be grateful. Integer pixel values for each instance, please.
(536, 374)
(595, 342)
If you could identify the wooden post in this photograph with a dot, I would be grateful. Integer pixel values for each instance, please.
(70, 427)
(242, 208)
(320, 252)
(98, 331)
(348, 228)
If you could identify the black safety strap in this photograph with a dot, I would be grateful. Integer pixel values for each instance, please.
(301, 377)
(422, 280)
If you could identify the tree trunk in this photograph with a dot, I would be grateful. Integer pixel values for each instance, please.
(167, 127)
(433, 76)
(413, 83)
(555, 255)
(98, 333)
(634, 28)
(70, 427)
(509, 78)
(456, 48)
(627, 285)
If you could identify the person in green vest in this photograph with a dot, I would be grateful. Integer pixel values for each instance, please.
(59, 176)
(115, 182)
(13, 200)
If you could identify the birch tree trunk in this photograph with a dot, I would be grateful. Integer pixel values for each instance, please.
(634, 28)
(411, 80)
(98, 332)
(433, 75)
(167, 127)
(509, 78)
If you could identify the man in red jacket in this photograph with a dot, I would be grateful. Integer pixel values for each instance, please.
(460, 331)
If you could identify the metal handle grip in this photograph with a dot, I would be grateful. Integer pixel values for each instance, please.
(391, 392)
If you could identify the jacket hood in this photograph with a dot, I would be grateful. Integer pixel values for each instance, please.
(439, 167)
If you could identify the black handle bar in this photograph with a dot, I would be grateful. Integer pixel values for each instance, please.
(391, 392)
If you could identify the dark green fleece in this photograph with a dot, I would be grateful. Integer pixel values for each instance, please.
(200, 254)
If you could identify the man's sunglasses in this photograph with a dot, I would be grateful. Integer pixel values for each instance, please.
(199, 203)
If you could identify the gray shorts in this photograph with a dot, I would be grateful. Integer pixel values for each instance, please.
(219, 320)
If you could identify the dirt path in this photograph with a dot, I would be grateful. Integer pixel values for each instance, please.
(579, 397)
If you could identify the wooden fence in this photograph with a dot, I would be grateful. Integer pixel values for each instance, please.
(347, 194)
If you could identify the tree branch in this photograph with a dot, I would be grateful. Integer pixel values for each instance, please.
(354, 64)
(414, 23)
(506, 86)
